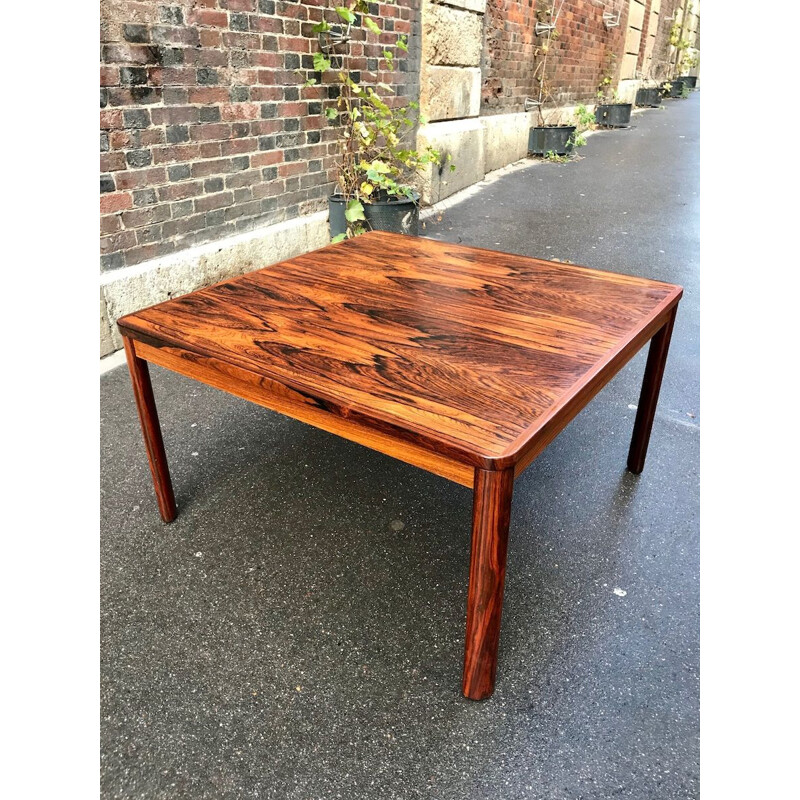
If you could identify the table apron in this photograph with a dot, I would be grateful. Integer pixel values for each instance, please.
(276, 397)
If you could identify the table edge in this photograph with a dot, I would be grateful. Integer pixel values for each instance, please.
(367, 420)
(531, 442)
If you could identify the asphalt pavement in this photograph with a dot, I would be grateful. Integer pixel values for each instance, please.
(297, 632)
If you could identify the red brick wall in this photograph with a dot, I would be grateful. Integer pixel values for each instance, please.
(508, 55)
(575, 63)
(205, 130)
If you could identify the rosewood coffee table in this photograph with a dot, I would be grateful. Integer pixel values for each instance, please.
(461, 361)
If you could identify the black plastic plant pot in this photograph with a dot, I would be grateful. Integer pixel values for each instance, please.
(690, 81)
(551, 139)
(676, 89)
(648, 98)
(396, 215)
(613, 115)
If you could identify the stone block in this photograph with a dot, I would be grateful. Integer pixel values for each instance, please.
(636, 14)
(450, 92)
(628, 70)
(627, 89)
(450, 36)
(632, 41)
(505, 139)
(479, 6)
(107, 344)
(462, 140)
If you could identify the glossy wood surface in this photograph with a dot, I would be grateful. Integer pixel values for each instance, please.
(648, 399)
(475, 356)
(265, 392)
(491, 514)
(154, 444)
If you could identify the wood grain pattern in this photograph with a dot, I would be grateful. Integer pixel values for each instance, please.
(464, 362)
(648, 399)
(265, 392)
(491, 514)
(148, 417)
(476, 356)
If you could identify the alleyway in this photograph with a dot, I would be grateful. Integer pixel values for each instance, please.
(297, 632)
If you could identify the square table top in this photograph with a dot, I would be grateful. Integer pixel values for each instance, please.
(480, 355)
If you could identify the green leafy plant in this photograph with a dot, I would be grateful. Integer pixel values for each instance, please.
(606, 92)
(687, 61)
(376, 159)
(541, 53)
(584, 121)
(684, 60)
(551, 155)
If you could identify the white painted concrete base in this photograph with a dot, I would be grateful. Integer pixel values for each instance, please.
(627, 90)
(505, 138)
(460, 143)
(479, 145)
(107, 363)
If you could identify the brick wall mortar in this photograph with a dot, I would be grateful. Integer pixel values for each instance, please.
(206, 130)
(575, 65)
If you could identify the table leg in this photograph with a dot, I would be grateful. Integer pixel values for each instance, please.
(491, 513)
(148, 416)
(653, 373)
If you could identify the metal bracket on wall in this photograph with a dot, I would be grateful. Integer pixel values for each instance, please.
(543, 28)
(611, 18)
(530, 104)
(336, 36)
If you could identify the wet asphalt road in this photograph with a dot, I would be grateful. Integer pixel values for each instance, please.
(298, 631)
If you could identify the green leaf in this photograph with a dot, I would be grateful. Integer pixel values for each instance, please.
(321, 27)
(346, 14)
(354, 211)
(340, 237)
(331, 113)
(372, 25)
(401, 43)
(321, 64)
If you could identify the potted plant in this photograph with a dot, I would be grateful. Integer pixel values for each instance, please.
(648, 97)
(376, 164)
(550, 136)
(688, 62)
(610, 112)
(672, 88)
(683, 60)
(649, 94)
(549, 143)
